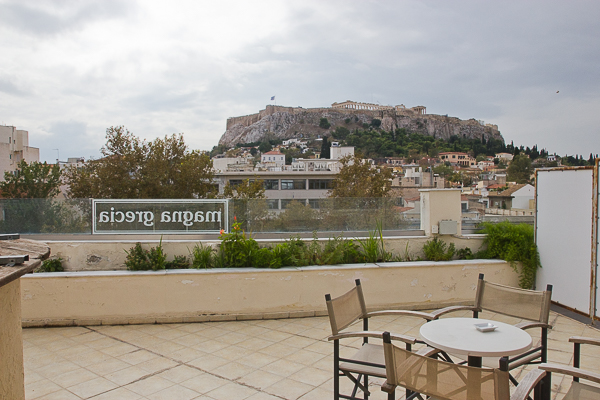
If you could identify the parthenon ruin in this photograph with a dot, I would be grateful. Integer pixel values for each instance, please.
(353, 105)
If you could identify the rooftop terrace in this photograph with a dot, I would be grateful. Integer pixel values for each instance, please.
(254, 359)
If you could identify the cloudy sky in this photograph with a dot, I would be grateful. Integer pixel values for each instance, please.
(70, 69)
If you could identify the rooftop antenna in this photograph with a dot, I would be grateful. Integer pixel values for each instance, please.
(57, 156)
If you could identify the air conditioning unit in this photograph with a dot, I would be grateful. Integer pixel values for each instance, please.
(448, 227)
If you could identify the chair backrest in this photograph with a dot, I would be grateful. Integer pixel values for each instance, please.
(442, 380)
(346, 309)
(520, 303)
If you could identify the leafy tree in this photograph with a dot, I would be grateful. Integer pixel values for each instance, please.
(248, 189)
(376, 122)
(360, 179)
(263, 147)
(136, 169)
(445, 171)
(341, 132)
(520, 169)
(323, 123)
(33, 181)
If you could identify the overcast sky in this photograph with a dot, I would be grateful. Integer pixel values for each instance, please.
(71, 69)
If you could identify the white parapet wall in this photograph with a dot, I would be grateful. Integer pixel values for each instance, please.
(174, 296)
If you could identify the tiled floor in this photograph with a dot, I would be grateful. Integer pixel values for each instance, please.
(254, 360)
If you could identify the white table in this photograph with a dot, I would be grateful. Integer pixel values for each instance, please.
(460, 337)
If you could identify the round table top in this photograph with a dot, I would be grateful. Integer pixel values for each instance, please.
(460, 336)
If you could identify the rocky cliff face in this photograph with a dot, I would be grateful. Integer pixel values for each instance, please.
(295, 122)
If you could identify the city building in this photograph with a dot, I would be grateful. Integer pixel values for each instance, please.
(14, 147)
(458, 159)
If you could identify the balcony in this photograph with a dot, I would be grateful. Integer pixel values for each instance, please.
(262, 359)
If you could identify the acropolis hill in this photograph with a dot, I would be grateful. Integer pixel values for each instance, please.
(295, 122)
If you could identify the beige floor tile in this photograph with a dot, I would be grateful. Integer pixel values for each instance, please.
(127, 375)
(62, 394)
(157, 364)
(150, 385)
(208, 362)
(92, 388)
(283, 368)
(210, 346)
(102, 343)
(192, 328)
(278, 350)
(75, 377)
(266, 396)
(109, 366)
(232, 371)
(211, 332)
(137, 357)
(231, 391)
(204, 383)
(119, 349)
(260, 379)
(189, 340)
(186, 354)
(305, 357)
(40, 388)
(257, 360)
(311, 376)
(164, 347)
(297, 342)
(276, 336)
(253, 331)
(170, 334)
(180, 373)
(234, 337)
(56, 369)
(289, 389)
(233, 352)
(254, 344)
(119, 394)
(318, 394)
(174, 393)
(89, 358)
(32, 377)
(324, 348)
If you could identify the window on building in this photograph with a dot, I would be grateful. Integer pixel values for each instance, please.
(291, 184)
(235, 182)
(314, 203)
(273, 204)
(271, 184)
(320, 183)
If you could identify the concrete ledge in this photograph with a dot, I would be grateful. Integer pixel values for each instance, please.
(177, 296)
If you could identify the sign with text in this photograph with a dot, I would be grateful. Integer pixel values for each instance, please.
(159, 216)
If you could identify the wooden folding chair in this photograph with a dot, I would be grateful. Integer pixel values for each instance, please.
(344, 311)
(430, 377)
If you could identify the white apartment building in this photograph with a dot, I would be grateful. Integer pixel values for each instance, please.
(14, 147)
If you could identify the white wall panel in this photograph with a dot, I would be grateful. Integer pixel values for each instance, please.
(564, 229)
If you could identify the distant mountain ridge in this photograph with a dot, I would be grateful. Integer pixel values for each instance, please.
(296, 122)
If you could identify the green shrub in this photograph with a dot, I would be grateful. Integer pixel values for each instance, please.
(438, 250)
(203, 256)
(373, 248)
(323, 123)
(51, 265)
(179, 262)
(139, 259)
(512, 243)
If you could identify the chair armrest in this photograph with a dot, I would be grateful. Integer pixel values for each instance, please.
(532, 324)
(572, 371)
(584, 340)
(373, 334)
(408, 313)
(527, 384)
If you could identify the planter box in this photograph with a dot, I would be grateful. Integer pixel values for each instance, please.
(124, 297)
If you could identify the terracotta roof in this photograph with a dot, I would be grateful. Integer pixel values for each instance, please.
(413, 198)
(512, 189)
(274, 152)
(496, 186)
